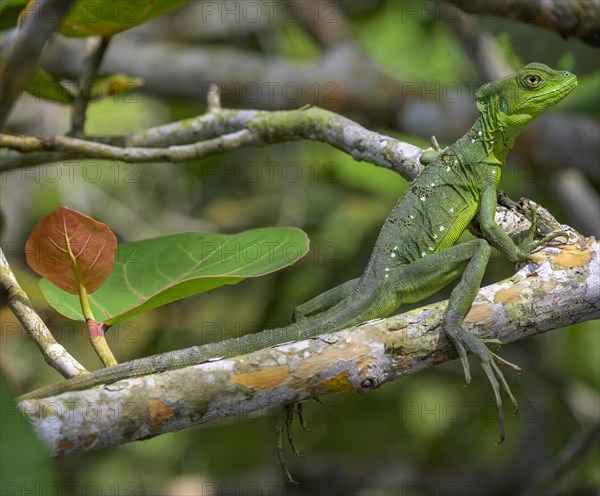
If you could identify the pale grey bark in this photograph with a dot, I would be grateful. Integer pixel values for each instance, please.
(225, 130)
(561, 288)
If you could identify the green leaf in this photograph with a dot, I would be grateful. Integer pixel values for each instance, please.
(44, 85)
(91, 17)
(157, 271)
(109, 17)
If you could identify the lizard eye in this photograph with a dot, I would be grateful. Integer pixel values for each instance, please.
(532, 80)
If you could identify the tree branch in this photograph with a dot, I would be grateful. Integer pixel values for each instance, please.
(54, 354)
(561, 288)
(569, 19)
(224, 130)
(39, 22)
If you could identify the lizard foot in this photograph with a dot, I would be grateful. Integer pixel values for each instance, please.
(285, 422)
(490, 362)
(528, 245)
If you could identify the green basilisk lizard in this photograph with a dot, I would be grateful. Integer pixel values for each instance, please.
(415, 254)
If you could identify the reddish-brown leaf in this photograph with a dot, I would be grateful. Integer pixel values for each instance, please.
(67, 245)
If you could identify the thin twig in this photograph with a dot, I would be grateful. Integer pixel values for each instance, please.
(213, 98)
(97, 48)
(55, 354)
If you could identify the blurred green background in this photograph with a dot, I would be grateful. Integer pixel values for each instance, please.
(421, 435)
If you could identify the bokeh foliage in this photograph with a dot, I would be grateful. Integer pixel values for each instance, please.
(420, 435)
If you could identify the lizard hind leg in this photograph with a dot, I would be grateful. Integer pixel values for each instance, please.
(460, 302)
(431, 273)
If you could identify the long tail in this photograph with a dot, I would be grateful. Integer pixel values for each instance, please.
(348, 312)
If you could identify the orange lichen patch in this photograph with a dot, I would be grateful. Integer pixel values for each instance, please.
(365, 358)
(571, 257)
(509, 294)
(402, 363)
(158, 413)
(480, 312)
(337, 383)
(89, 439)
(65, 444)
(266, 378)
(548, 286)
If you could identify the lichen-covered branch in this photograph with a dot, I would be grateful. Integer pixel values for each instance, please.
(561, 288)
(55, 354)
(225, 130)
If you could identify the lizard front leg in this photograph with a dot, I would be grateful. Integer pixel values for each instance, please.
(499, 239)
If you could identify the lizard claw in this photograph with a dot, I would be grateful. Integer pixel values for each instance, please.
(506, 363)
(462, 353)
(489, 362)
(495, 342)
(528, 245)
(285, 423)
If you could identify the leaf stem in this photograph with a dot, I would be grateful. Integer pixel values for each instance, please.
(95, 330)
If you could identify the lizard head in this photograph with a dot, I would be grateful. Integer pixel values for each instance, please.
(516, 100)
